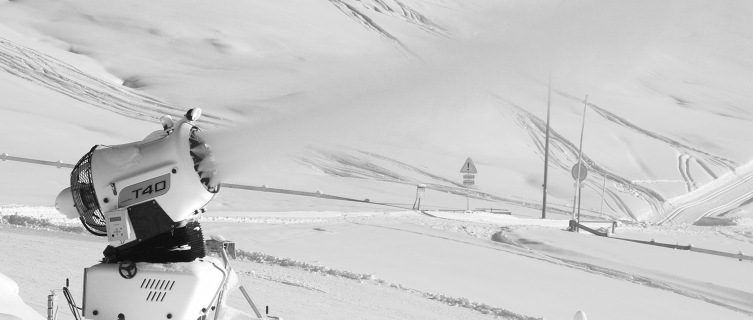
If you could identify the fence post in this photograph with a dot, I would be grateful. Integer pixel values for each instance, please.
(52, 305)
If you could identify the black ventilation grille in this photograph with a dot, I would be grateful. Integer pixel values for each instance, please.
(85, 198)
(157, 288)
(203, 161)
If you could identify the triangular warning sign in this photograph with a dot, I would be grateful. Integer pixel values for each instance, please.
(468, 167)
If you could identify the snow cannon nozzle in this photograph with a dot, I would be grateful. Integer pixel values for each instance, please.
(167, 122)
(193, 114)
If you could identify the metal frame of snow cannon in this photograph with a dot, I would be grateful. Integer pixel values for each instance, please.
(217, 246)
(222, 248)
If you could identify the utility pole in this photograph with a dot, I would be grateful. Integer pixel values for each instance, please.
(580, 158)
(546, 143)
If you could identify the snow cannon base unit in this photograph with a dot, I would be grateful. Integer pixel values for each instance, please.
(176, 291)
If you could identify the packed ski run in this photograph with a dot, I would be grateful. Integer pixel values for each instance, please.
(336, 264)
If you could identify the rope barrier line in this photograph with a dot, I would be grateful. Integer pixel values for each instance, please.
(59, 164)
(740, 256)
(317, 194)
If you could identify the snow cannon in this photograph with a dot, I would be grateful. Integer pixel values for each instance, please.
(145, 196)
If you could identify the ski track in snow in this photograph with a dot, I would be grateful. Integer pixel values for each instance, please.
(409, 15)
(56, 75)
(367, 23)
(725, 165)
(709, 202)
(683, 164)
(563, 154)
(398, 10)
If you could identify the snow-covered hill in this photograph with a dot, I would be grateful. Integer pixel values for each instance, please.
(366, 98)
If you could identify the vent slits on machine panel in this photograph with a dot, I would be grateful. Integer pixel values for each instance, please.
(157, 288)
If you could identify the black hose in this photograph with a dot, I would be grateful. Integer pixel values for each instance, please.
(71, 303)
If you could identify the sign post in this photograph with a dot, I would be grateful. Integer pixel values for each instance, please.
(579, 173)
(468, 180)
(420, 191)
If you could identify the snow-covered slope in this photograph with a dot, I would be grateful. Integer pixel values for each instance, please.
(366, 98)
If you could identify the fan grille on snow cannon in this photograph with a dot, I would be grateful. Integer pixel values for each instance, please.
(84, 196)
(135, 191)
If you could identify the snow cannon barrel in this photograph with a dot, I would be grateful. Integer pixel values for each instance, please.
(140, 190)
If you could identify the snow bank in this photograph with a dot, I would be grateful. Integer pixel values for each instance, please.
(39, 212)
(480, 307)
(287, 262)
(40, 223)
(7, 286)
(11, 305)
(715, 222)
(183, 267)
(452, 301)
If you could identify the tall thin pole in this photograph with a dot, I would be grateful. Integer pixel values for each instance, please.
(580, 190)
(603, 188)
(468, 199)
(546, 144)
(580, 157)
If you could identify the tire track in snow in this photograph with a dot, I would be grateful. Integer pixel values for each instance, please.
(705, 205)
(652, 283)
(262, 258)
(634, 278)
(692, 185)
(707, 169)
(56, 75)
(683, 166)
(563, 154)
(729, 205)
